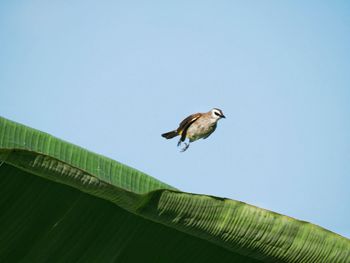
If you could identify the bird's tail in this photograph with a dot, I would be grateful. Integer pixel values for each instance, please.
(170, 135)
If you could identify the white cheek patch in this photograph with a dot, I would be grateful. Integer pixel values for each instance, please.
(216, 114)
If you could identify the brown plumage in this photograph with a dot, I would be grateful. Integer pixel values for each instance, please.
(196, 126)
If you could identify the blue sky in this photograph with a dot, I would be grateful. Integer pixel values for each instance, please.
(111, 76)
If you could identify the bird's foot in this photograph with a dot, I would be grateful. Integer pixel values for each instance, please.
(186, 147)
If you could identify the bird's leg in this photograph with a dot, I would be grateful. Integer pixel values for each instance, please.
(186, 147)
(179, 143)
(186, 144)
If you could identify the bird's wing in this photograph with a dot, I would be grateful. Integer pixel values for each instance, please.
(186, 123)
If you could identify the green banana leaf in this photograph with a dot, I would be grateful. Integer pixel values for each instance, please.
(62, 203)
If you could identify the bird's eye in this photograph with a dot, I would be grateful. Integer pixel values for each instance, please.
(217, 114)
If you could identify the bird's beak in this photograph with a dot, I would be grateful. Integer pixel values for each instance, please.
(223, 116)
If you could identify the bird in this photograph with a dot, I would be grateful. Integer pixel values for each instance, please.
(196, 126)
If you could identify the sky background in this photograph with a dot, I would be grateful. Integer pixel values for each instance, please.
(111, 76)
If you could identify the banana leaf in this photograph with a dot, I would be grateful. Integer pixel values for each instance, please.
(62, 203)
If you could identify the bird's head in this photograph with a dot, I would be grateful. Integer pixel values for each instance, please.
(217, 114)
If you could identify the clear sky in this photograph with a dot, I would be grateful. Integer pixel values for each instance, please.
(111, 76)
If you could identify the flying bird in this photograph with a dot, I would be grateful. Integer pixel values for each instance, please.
(196, 126)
